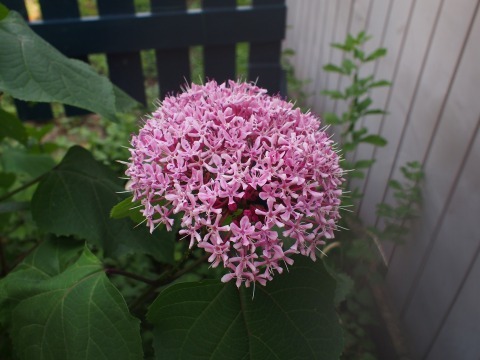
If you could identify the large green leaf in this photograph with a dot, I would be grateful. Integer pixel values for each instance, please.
(68, 313)
(293, 317)
(76, 198)
(33, 70)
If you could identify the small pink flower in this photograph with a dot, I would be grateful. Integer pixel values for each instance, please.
(242, 167)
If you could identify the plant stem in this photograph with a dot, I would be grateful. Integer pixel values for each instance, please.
(166, 278)
(129, 275)
(21, 188)
(3, 260)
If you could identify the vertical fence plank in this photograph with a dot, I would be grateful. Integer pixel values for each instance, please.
(378, 21)
(407, 83)
(436, 268)
(173, 65)
(61, 9)
(431, 103)
(314, 64)
(459, 333)
(219, 60)
(264, 61)
(39, 112)
(401, 14)
(125, 69)
(317, 84)
(434, 116)
(331, 11)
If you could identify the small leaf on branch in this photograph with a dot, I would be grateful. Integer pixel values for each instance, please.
(375, 112)
(333, 68)
(291, 317)
(395, 184)
(376, 54)
(127, 208)
(363, 105)
(339, 46)
(380, 83)
(331, 119)
(376, 140)
(348, 66)
(363, 164)
(334, 94)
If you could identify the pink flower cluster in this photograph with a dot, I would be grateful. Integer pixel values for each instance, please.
(255, 180)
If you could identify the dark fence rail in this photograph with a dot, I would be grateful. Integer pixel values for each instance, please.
(170, 29)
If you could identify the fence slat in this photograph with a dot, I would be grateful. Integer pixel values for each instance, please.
(173, 66)
(219, 60)
(172, 29)
(264, 62)
(125, 69)
(28, 111)
(61, 9)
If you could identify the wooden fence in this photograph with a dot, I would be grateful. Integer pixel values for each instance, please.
(434, 62)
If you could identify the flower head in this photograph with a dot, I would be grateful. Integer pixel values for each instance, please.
(254, 179)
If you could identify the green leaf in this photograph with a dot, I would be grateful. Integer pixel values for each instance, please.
(380, 83)
(349, 146)
(394, 184)
(357, 134)
(7, 179)
(291, 318)
(350, 42)
(376, 140)
(358, 54)
(12, 127)
(72, 314)
(339, 46)
(334, 94)
(3, 11)
(345, 286)
(127, 208)
(19, 161)
(375, 112)
(333, 68)
(38, 132)
(76, 198)
(48, 259)
(376, 54)
(356, 174)
(363, 164)
(363, 105)
(348, 66)
(331, 119)
(32, 70)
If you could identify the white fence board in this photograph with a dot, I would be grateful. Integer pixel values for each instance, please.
(433, 58)
(458, 338)
(457, 130)
(425, 115)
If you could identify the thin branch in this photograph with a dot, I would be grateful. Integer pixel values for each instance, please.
(3, 260)
(21, 188)
(166, 278)
(129, 275)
